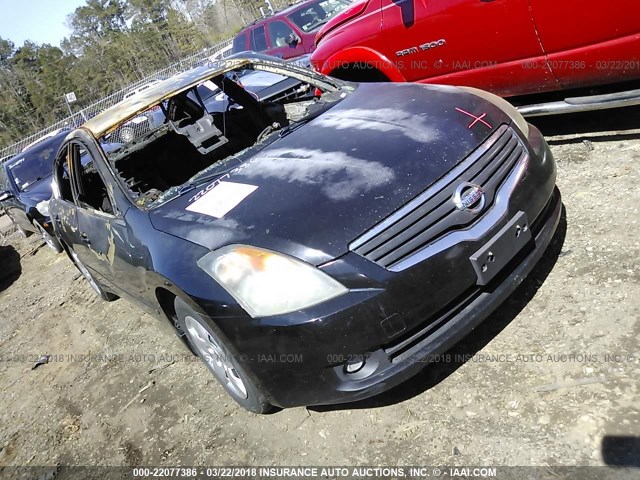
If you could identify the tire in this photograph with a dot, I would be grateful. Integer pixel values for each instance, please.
(106, 296)
(362, 72)
(127, 134)
(219, 360)
(51, 241)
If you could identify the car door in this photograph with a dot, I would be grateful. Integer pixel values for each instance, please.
(278, 32)
(107, 245)
(62, 206)
(259, 39)
(490, 44)
(95, 214)
(589, 42)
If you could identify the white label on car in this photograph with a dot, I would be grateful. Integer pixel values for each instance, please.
(210, 85)
(221, 199)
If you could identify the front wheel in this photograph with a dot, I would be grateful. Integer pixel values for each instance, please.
(109, 297)
(219, 360)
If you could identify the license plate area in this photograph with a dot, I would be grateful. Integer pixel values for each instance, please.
(497, 252)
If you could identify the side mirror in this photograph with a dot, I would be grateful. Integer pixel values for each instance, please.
(292, 40)
(5, 195)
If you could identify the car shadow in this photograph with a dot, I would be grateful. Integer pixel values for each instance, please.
(435, 373)
(623, 121)
(10, 268)
(595, 138)
(621, 451)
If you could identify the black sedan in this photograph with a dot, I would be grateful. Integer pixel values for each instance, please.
(316, 250)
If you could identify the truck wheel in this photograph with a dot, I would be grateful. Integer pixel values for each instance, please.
(220, 361)
(360, 72)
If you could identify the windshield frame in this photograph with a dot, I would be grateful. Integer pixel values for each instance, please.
(305, 75)
(118, 115)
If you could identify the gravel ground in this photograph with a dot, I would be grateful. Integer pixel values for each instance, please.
(551, 378)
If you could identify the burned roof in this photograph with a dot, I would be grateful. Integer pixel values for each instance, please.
(129, 108)
(115, 116)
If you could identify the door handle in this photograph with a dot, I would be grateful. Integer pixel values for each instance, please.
(85, 238)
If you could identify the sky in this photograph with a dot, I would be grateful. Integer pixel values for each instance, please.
(42, 21)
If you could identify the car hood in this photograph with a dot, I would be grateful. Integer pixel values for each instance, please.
(312, 192)
(37, 192)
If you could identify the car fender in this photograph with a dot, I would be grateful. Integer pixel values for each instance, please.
(353, 55)
(19, 215)
(163, 288)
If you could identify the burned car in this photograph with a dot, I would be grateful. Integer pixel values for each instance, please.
(310, 250)
(264, 86)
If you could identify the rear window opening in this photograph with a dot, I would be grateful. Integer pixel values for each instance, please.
(208, 129)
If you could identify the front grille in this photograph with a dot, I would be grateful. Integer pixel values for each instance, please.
(433, 213)
(408, 344)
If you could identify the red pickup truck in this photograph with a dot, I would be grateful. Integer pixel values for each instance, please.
(509, 47)
(289, 33)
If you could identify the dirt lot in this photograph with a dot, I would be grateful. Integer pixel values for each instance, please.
(552, 377)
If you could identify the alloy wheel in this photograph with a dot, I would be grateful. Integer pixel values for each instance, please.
(215, 357)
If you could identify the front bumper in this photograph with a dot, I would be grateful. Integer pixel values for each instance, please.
(428, 344)
(399, 321)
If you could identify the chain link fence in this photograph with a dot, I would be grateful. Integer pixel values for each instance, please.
(78, 118)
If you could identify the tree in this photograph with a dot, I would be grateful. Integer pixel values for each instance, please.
(6, 49)
(113, 44)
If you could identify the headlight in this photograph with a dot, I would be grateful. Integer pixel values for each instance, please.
(268, 283)
(43, 207)
(503, 105)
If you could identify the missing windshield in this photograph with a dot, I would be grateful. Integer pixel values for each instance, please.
(213, 126)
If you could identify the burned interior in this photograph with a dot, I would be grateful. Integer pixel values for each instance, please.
(200, 127)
